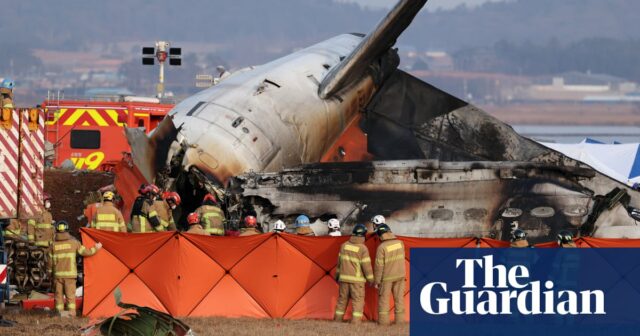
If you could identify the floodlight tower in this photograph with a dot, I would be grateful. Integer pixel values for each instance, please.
(161, 52)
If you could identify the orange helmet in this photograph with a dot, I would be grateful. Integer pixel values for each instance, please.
(250, 221)
(173, 197)
(209, 197)
(193, 218)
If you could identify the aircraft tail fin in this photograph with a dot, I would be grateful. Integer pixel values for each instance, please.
(373, 46)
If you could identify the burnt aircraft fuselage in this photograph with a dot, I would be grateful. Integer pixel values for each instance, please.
(427, 198)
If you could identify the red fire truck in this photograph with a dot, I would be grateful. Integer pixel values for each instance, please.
(21, 162)
(90, 133)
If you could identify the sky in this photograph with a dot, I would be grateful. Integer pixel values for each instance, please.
(432, 4)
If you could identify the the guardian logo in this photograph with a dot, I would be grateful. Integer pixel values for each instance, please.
(506, 291)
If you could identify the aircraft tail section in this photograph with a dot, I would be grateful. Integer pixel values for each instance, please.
(410, 119)
(372, 47)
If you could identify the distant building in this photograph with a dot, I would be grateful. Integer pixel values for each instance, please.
(576, 86)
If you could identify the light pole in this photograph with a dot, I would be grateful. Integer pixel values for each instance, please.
(161, 52)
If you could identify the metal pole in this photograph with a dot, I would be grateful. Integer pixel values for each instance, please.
(161, 81)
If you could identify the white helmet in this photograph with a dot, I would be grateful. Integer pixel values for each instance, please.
(334, 224)
(279, 226)
(378, 220)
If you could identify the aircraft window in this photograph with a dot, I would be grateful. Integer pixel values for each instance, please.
(512, 213)
(475, 213)
(85, 139)
(575, 210)
(195, 108)
(326, 66)
(543, 212)
(441, 214)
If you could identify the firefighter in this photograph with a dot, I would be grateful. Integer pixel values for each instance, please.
(65, 273)
(334, 227)
(211, 216)
(519, 239)
(138, 222)
(378, 220)
(152, 211)
(279, 226)
(164, 207)
(40, 229)
(250, 227)
(14, 229)
(354, 269)
(6, 93)
(389, 275)
(303, 226)
(193, 219)
(108, 217)
(565, 239)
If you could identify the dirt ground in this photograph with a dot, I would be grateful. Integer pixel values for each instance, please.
(42, 323)
(69, 189)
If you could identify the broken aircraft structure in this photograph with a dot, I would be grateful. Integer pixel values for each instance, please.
(273, 140)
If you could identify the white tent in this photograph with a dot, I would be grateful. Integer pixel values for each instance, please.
(618, 161)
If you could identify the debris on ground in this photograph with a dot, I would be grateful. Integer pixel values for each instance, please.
(138, 321)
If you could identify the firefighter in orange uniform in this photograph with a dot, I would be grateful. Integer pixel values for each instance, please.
(354, 269)
(249, 229)
(108, 217)
(194, 225)
(65, 273)
(211, 216)
(389, 275)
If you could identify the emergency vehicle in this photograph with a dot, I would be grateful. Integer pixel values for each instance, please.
(21, 162)
(90, 133)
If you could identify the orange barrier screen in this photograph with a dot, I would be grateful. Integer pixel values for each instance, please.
(263, 276)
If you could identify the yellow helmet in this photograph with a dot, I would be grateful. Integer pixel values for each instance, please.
(62, 226)
(108, 196)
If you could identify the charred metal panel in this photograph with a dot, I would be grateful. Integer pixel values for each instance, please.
(424, 198)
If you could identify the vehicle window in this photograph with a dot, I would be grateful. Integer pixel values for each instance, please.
(85, 139)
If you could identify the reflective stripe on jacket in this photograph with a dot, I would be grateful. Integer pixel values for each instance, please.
(212, 219)
(40, 229)
(390, 259)
(354, 263)
(108, 218)
(64, 253)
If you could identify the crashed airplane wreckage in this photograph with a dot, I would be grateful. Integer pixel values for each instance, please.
(274, 140)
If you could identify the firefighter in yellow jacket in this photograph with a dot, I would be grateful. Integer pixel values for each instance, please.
(211, 216)
(108, 217)
(389, 275)
(65, 273)
(194, 225)
(40, 230)
(354, 269)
